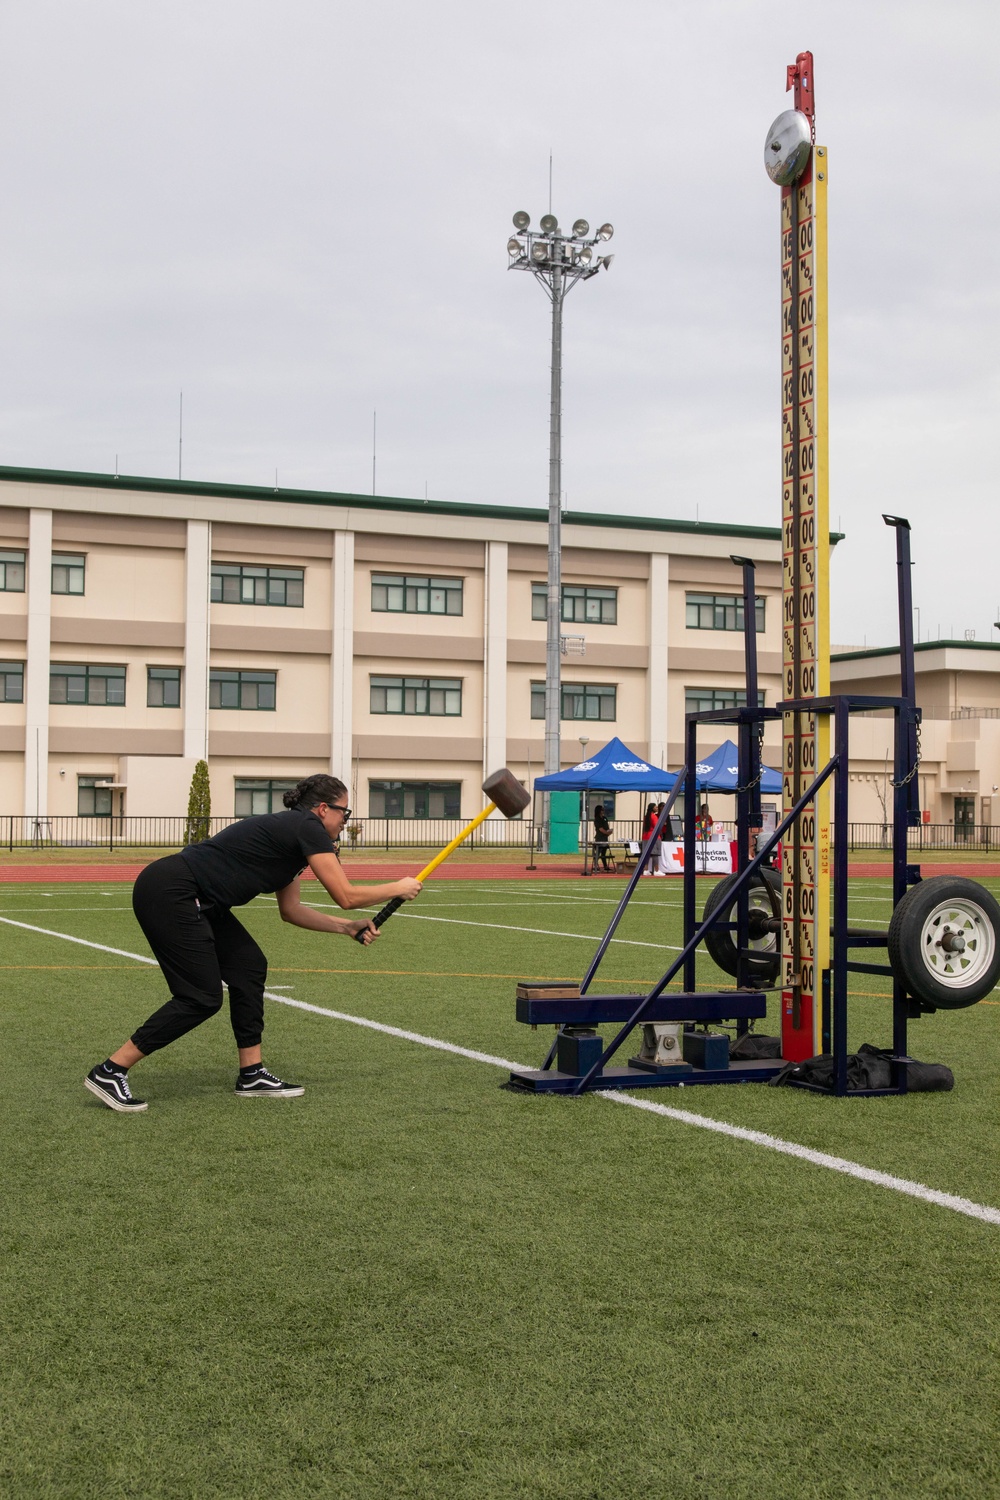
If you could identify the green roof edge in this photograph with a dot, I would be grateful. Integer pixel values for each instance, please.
(919, 646)
(379, 502)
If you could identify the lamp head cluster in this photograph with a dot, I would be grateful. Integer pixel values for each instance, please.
(547, 250)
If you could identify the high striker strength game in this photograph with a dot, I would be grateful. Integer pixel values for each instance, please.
(800, 168)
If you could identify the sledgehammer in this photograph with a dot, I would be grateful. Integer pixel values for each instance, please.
(506, 795)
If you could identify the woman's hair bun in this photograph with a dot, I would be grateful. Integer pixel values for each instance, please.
(314, 790)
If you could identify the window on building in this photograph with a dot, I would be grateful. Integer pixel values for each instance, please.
(416, 695)
(702, 700)
(414, 799)
(720, 612)
(590, 801)
(73, 682)
(251, 690)
(93, 801)
(11, 681)
(67, 573)
(402, 593)
(238, 583)
(11, 572)
(579, 700)
(163, 687)
(581, 604)
(254, 797)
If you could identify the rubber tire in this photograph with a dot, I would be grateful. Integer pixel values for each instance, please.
(721, 945)
(909, 941)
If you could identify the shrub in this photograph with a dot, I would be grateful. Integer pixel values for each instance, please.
(199, 811)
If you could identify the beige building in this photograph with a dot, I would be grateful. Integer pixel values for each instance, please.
(145, 624)
(958, 692)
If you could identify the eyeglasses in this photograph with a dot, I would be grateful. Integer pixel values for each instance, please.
(336, 807)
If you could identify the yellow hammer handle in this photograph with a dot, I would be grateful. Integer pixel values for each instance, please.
(429, 869)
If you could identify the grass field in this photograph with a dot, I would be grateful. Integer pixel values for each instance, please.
(414, 1282)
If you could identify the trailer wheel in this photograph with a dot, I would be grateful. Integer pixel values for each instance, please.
(944, 941)
(764, 896)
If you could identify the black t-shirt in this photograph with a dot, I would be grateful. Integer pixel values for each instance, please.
(256, 855)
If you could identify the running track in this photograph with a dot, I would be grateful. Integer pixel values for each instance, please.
(57, 874)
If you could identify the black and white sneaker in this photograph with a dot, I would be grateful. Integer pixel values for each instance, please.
(263, 1085)
(112, 1089)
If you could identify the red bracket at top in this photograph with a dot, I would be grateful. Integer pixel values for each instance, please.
(800, 77)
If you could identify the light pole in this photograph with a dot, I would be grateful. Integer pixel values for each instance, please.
(557, 261)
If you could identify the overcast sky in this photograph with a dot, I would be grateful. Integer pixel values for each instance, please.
(297, 212)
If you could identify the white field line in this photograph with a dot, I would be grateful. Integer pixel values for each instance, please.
(83, 942)
(540, 895)
(405, 1036)
(61, 909)
(982, 1211)
(584, 937)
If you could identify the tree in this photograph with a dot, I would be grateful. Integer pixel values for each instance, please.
(199, 805)
(880, 791)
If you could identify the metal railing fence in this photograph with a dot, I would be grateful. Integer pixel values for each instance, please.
(362, 833)
(18, 832)
(983, 836)
(103, 832)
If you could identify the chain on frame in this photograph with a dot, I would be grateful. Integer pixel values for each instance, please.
(905, 780)
(760, 762)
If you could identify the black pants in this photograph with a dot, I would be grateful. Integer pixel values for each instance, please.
(197, 947)
(601, 850)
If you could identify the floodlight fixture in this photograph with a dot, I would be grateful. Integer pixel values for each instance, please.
(896, 521)
(557, 260)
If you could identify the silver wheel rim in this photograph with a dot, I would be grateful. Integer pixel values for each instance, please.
(760, 901)
(957, 943)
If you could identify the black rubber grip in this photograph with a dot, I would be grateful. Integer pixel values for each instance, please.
(382, 916)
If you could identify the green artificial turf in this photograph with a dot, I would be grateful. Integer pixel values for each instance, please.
(415, 1282)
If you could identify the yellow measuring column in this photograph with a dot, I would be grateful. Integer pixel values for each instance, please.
(801, 169)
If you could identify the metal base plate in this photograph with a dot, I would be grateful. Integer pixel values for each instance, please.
(550, 1081)
(679, 1069)
(831, 1093)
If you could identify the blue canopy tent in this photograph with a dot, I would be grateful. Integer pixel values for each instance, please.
(719, 772)
(615, 768)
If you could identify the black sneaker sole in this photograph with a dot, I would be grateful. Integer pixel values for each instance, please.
(135, 1108)
(290, 1093)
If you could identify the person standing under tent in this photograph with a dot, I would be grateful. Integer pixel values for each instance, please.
(602, 832)
(704, 823)
(183, 903)
(654, 858)
(648, 824)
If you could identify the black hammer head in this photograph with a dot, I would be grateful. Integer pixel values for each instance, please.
(503, 788)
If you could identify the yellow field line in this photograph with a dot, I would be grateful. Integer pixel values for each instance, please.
(130, 968)
(407, 974)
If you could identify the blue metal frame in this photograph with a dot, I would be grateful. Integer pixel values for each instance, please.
(747, 1003)
(744, 1004)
